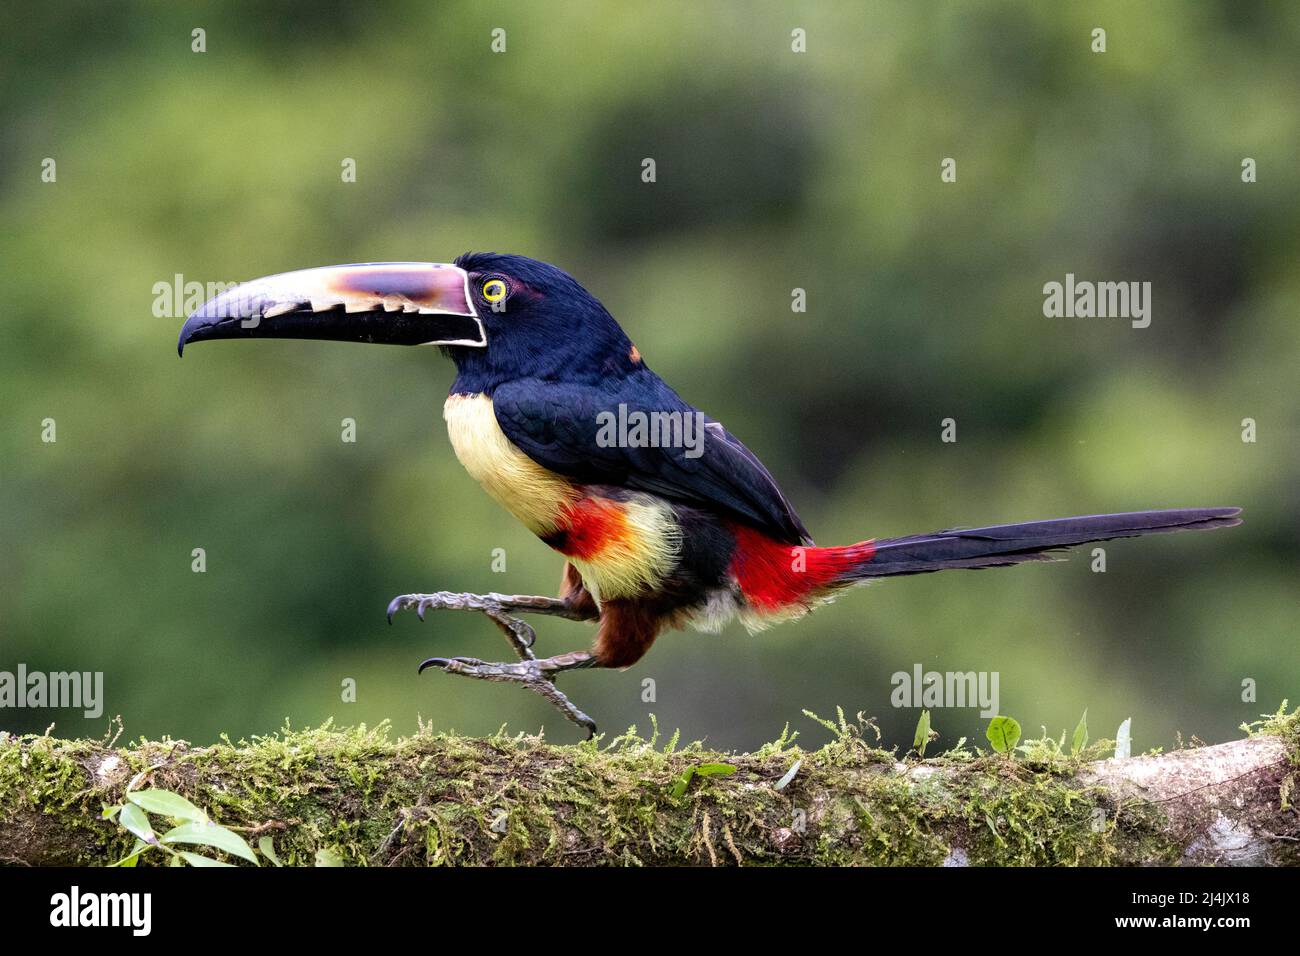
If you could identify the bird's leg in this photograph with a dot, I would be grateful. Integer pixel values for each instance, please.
(530, 672)
(576, 604)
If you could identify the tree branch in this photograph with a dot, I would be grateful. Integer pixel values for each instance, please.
(433, 800)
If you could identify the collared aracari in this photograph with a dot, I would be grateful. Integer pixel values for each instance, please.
(655, 535)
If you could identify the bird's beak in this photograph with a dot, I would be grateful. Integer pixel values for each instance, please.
(392, 303)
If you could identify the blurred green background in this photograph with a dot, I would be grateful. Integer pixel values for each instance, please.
(776, 170)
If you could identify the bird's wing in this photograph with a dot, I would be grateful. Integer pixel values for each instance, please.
(558, 425)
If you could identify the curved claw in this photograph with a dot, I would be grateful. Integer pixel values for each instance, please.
(394, 606)
(446, 662)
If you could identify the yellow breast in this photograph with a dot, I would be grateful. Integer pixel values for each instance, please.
(621, 548)
(527, 490)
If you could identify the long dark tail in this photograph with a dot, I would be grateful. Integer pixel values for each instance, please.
(1013, 543)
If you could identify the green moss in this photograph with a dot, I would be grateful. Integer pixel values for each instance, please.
(440, 799)
(1284, 724)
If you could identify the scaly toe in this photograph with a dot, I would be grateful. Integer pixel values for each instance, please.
(457, 665)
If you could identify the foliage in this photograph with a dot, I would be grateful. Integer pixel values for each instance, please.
(190, 826)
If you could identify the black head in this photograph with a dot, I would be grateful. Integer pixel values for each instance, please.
(539, 323)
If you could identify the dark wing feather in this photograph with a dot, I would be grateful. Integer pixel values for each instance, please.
(556, 425)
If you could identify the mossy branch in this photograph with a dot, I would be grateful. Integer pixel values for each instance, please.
(438, 800)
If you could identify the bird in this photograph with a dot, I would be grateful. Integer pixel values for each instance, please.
(663, 517)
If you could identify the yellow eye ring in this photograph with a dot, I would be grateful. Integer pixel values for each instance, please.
(494, 290)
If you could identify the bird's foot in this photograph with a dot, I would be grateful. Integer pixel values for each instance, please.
(532, 673)
(520, 634)
(509, 603)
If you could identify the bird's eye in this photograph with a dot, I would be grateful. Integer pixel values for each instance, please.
(494, 290)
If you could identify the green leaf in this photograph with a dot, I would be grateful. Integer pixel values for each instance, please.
(268, 850)
(109, 812)
(196, 859)
(922, 733)
(210, 834)
(789, 774)
(1003, 734)
(135, 821)
(328, 856)
(167, 804)
(714, 770)
(702, 770)
(1080, 735)
(1124, 739)
(683, 781)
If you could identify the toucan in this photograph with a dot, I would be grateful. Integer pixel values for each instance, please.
(668, 523)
